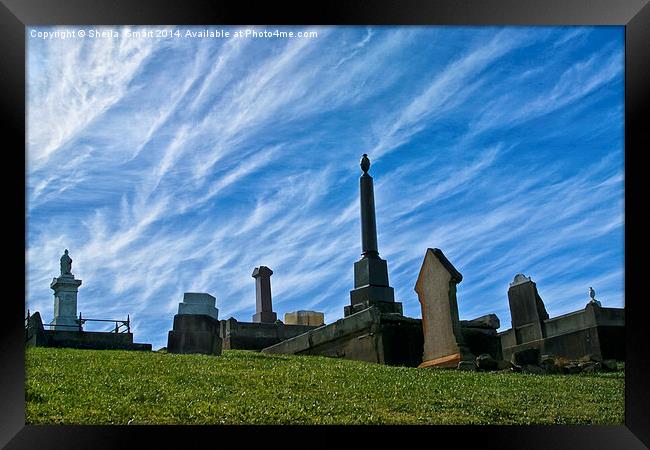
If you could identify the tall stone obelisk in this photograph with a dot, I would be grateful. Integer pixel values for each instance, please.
(65, 289)
(371, 286)
(263, 306)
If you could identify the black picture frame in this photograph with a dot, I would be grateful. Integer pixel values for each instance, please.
(15, 15)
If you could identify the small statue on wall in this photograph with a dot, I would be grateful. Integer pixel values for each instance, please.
(592, 296)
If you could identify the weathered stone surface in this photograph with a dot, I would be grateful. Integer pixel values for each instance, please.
(436, 289)
(35, 331)
(486, 362)
(188, 342)
(371, 287)
(524, 357)
(198, 303)
(482, 340)
(372, 272)
(368, 335)
(313, 318)
(526, 309)
(93, 340)
(592, 334)
(263, 304)
(256, 336)
(194, 333)
(520, 278)
(384, 307)
(489, 321)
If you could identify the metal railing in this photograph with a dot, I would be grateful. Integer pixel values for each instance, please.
(121, 326)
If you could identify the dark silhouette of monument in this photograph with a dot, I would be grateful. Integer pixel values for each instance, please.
(263, 306)
(196, 326)
(373, 328)
(371, 287)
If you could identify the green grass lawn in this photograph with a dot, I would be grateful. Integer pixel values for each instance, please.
(241, 387)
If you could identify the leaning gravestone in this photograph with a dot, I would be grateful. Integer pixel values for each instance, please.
(436, 289)
(196, 326)
(526, 306)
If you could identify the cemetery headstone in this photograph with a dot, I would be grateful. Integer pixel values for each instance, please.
(436, 289)
(526, 309)
(196, 326)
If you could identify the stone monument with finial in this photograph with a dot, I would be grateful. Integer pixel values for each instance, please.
(371, 286)
(65, 288)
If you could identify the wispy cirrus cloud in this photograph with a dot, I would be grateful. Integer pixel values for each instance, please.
(168, 166)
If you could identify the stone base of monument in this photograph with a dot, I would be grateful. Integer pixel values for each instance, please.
(446, 362)
(194, 333)
(384, 307)
(256, 336)
(479, 337)
(265, 317)
(594, 330)
(36, 335)
(462, 359)
(368, 335)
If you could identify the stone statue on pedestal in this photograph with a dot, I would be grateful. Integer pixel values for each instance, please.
(65, 289)
(66, 264)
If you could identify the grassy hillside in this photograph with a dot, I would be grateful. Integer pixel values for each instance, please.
(120, 387)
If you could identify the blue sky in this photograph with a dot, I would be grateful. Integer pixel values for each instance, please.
(178, 165)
